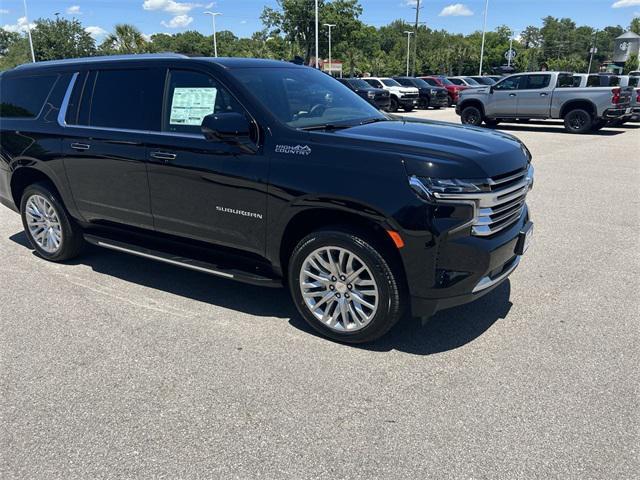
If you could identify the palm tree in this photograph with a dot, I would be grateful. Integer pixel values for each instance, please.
(125, 39)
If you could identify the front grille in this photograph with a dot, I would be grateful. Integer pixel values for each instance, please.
(410, 95)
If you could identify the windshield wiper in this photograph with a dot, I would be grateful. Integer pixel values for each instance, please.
(326, 126)
(374, 120)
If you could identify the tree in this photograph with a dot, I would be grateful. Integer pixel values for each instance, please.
(631, 64)
(125, 38)
(7, 39)
(634, 26)
(61, 38)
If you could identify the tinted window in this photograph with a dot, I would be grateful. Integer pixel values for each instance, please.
(358, 83)
(456, 81)
(430, 82)
(124, 98)
(509, 83)
(404, 81)
(191, 96)
(23, 97)
(535, 82)
(374, 83)
(390, 82)
(471, 81)
(566, 80)
(418, 82)
(634, 81)
(576, 81)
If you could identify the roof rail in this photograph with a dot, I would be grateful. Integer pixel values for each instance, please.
(71, 61)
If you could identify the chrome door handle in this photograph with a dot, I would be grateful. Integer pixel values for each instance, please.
(512, 94)
(163, 155)
(543, 94)
(80, 146)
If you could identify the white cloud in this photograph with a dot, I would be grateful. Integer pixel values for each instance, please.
(243, 22)
(456, 10)
(20, 26)
(74, 10)
(626, 3)
(179, 21)
(4, 11)
(170, 6)
(95, 31)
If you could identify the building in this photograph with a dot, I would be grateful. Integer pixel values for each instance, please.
(624, 47)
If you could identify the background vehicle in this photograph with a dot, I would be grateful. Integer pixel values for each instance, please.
(466, 81)
(452, 89)
(495, 78)
(401, 97)
(377, 97)
(610, 80)
(484, 80)
(543, 95)
(429, 96)
(267, 173)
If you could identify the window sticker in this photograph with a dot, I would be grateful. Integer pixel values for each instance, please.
(190, 105)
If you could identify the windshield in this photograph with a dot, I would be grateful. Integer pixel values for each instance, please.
(420, 83)
(304, 97)
(485, 80)
(358, 83)
(446, 81)
(429, 81)
(471, 81)
(390, 82)
(456, 81)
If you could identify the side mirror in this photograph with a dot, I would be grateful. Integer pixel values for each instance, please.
(232, 128)
(491, 89)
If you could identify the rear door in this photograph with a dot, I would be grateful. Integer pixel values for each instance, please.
(534, 95)
(107, 119)
(503, 102)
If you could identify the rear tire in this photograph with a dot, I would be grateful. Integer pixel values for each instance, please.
(471, 116)
(578, 121)
(324, 293)
(50, 230)
(393, 105)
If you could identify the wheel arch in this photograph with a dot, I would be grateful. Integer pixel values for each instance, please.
(472, 102)
(584, 104)
(22, 177)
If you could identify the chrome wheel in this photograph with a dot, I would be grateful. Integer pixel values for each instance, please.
(339, 289)
(43, 223)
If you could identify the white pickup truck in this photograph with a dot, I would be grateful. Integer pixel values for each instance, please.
(544, 95)
(401, 97)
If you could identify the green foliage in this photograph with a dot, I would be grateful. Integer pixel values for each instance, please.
(634, 26)
(61, 38)
(124, 39)
(631, 64)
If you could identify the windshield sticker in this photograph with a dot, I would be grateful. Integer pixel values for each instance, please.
(189, 106)
(290, 149)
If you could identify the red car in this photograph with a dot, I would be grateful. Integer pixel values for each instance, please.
(452, 89)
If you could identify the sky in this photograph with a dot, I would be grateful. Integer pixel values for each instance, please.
(242, 17)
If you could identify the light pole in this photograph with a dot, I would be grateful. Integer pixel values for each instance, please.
(510, 54)
(329, 26)
(484, 32)
(317, 28)
(26, 16)
(593, 50)
(213, 21)
(408, 48)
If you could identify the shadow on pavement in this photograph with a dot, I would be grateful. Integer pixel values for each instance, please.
(547, 127)
(445, 331)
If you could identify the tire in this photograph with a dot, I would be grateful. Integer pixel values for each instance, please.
(578, 121)
(63, 239)
(491, 122)
(393, 105)
(408, 109)
(380, 286)
(449, 102)
(471, 116)
(436, 108)
(599, 125)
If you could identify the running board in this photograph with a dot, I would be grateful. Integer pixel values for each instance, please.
(189, 263)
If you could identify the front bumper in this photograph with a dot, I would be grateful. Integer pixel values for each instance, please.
(381, 103)
(438, 101)
(408, 102)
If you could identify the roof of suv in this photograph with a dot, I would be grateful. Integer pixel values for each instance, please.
(223, 62)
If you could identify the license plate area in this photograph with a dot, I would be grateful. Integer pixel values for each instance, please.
(524, 239)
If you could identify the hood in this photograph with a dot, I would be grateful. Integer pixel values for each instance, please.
(443, 150)
(377, 91)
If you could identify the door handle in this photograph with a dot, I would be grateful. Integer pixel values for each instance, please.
(80, 146)
(543, 94)
(512, 94)
(163, 156)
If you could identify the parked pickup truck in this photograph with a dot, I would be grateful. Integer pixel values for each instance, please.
(606, 80)
(544, 95)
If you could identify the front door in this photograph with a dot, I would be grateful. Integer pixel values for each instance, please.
(209, 191)
(534, 96)
(503, 102)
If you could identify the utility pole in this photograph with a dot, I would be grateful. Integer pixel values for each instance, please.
(329, 25)
(593, 50)
(408, 48)
(415, 43)
(510, 48)
(484, 32)
(26, 16)
(317, 20)
(215, 41)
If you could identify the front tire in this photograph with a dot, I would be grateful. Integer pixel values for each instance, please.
(408, 108)
(471, 116)
(393, 105)
(344, 287)
(52, 233)
(578, 121)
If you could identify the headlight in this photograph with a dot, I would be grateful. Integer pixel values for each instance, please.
(371, 94)
(433, 91)
(432, 188)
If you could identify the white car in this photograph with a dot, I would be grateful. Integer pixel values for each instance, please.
(401, 97)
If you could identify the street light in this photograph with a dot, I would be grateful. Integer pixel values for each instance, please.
(484, 31)
(408, 49)
(594, 49)
(510, 54)
(329, 26)
(213, 21)
(26, 16)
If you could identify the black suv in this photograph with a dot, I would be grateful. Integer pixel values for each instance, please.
(430, 96)
(377, 97)
(263, 172)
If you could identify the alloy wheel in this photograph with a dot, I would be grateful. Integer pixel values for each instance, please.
(44, 223)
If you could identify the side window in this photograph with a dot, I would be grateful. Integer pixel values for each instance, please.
(191, 96)
(535, 82)
(593, 81)
(614, 82)
(24, 97)
(634, 81)
(509, 83)
(123, 99)
(567, 81)
(374, 83)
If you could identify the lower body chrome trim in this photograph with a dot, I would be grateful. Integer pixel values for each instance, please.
(488, 282)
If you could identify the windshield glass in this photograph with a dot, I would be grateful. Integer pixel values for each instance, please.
(420, 83)
(390, 82)
(429, 81)
(304, 97)
(471, 81)
(446, 81)
(358, 83)
(455, 81)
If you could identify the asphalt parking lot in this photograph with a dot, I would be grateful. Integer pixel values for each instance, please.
(118, 367)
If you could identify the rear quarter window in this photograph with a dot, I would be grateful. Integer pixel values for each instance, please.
(24, 96)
